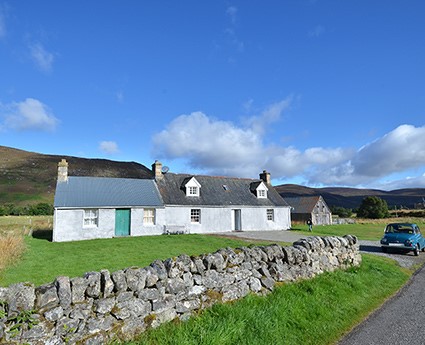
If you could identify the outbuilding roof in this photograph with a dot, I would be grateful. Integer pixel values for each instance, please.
(303, 204)
(216, 191)
(106, 192)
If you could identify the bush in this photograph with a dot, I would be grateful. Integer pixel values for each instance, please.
(341, 211)
(40, 209)
(373, 207)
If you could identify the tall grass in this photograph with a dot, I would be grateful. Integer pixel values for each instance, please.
(12, 247)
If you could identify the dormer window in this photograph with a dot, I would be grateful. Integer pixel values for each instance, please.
(259, 189)
(193, 187)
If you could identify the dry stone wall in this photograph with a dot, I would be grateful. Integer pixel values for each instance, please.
(101, 306)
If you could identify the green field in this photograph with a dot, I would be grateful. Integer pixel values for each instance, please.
(364, 230)
(44, 260)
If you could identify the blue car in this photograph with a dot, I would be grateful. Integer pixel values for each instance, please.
(403, 236)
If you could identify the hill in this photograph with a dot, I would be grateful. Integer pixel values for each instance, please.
(352, 197)
(28, 177)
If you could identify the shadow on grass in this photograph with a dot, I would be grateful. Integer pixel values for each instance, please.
(43, 235)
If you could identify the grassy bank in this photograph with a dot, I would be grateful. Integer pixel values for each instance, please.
(317, 311)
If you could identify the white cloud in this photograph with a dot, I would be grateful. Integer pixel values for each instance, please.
(30, 114)
(41, 57)
(225, 148)
(317, 31)
(231, 12)
(108, 147)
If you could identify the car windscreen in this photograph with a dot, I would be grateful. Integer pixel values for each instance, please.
(401, 229)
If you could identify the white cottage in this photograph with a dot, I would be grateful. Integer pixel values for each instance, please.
(98, 207)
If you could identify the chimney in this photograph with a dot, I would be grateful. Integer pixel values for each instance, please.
(265, 176)
(63, 171)
(157, 170)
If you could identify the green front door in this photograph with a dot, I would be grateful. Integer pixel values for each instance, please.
(122, 222)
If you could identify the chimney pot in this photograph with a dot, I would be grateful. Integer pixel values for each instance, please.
(265, 176)
(157, 169)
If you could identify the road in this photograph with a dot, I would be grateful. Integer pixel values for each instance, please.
(401, 320)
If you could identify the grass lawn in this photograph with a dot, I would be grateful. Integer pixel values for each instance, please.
(43, 261)
(370, 230)
(317, 311)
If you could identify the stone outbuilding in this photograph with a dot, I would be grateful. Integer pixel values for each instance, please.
(310, 207)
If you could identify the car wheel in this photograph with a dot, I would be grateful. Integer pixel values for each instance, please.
(416, 251)
(384, 249)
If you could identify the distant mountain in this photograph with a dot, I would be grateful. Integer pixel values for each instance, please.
(352, 197)
(28, 177)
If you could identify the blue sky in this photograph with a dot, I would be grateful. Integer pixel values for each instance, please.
(319, 93)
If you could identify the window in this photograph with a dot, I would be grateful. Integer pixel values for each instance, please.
(149, 216)
(270, 214)
(195, 215)
(193, 191)
(261, 193)
(91, 218)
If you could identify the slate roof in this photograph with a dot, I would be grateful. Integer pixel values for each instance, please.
(105, 191)
(303, 204)
(215, 191)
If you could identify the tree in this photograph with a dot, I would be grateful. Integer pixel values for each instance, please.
(341, 211)
(373, 207)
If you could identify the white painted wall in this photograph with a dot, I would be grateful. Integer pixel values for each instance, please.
(68, 223)
(220, 219)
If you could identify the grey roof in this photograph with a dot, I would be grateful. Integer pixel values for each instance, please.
(303, 204)
(216, 191)
(105, 191)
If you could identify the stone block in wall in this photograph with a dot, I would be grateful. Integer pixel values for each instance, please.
(103, 305)
(163, 304)
(199, 266)
(106, 283)
(63, 286)
(175, 286)
(160, 269)
(20, 296)
(148, 294)
(254, 284)
(99, 324)
(151, 277)
(82, 310)
(120, 283)
(54, 314)
(136, 278)
(46, 297)
(78, 289)
(93, 284)
(189, 305)
(268, 283)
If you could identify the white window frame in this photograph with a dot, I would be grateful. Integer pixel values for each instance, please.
(149, 216)
(90, 218)
(270, 214)
(261, 193)
(195, 215)
(193, 191)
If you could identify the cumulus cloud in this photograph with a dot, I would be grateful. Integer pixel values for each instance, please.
(41, 57)
(108, 147)
(222, 147)
(30, 114)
